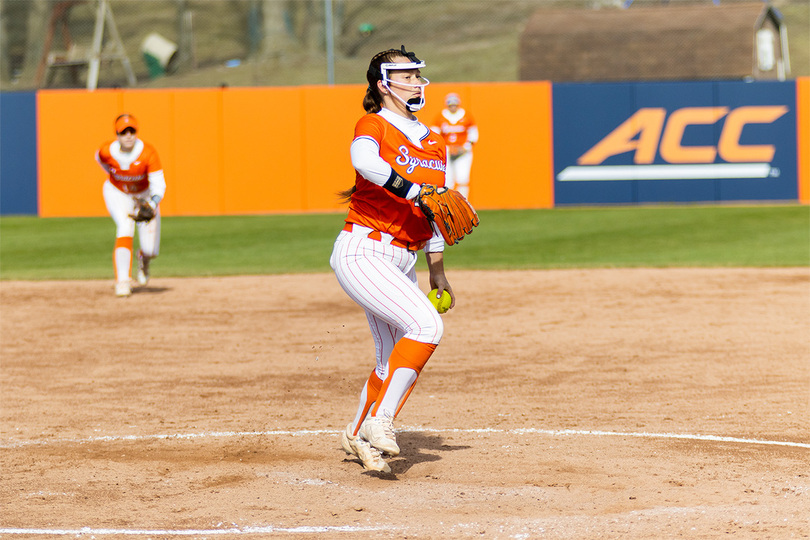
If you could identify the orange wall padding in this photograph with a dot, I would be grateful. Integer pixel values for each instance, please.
(229, 151)
(803, 134)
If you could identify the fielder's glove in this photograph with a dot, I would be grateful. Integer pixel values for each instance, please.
(144, 210)
(449, 210)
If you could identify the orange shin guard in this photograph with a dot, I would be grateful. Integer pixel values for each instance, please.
(373, 385)
(126, 243)
(409, 354)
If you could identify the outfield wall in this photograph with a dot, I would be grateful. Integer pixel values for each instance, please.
(18, 153)
(231, 151)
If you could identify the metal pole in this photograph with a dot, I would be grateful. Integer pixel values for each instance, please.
(119, 46)
(330, 43)
(785, 64)
(95, 53)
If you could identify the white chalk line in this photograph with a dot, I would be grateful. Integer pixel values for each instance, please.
(299, 433)
(192, 532)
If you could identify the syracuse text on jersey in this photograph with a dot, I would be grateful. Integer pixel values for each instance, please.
(649, 133)
(404, 158)
(128, 183)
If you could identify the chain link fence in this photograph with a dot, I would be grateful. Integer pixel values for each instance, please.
(205, 43)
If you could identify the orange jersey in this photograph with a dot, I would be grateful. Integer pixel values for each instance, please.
(374, 206)
(454, 128)
(129, 172)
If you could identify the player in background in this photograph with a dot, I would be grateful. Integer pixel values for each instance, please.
(460, 132)
(375, 254)
(134, 173)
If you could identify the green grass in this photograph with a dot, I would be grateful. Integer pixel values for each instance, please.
(81, 248)
(648, 236)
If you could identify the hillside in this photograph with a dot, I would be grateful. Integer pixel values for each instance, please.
(462, 40)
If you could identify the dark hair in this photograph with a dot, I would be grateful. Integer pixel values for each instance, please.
(372, 101)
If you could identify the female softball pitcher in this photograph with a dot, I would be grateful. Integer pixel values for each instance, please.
(132, 192)
(375, 254)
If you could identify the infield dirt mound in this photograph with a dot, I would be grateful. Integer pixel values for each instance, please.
(639, 403)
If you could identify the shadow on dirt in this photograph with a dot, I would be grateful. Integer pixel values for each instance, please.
(418, 448)
(150, 290)
(415, 448)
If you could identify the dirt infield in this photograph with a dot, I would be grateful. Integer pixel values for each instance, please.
(573, 404)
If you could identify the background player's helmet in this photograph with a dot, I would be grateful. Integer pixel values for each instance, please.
(452, 99)
(382, 73)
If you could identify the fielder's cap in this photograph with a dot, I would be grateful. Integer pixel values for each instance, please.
(452, 99)
(125, 121)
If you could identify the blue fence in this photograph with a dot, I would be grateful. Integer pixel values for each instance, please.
(18, 153)
(628, 143)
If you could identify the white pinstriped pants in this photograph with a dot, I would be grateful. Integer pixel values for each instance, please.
(458, 173)
(381, 278)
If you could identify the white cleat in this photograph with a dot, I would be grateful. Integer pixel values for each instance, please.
(123, 289)
(379, 432)
(143, 269)
(370, 456)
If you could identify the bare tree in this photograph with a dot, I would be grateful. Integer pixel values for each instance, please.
(276, 40)
(5, 60)
(313, 31)
(186, 57)
(39, 12)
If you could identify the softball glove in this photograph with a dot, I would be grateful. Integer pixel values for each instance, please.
(449, 210)
(144, 211)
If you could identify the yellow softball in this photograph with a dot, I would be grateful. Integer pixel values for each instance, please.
(442, 303)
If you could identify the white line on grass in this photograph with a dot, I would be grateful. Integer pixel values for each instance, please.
(299, 433)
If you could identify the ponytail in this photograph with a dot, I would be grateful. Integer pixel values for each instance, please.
(372, 101)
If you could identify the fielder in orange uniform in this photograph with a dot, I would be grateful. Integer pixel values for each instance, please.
(375, 254)
(134, 173)
(460, 132)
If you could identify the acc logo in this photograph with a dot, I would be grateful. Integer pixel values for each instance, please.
(648, 133)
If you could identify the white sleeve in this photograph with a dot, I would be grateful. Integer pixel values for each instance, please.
(103, 165)
(367, 161)
(472, 134)
(436, 243)
(157, 184)
(365, 153)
